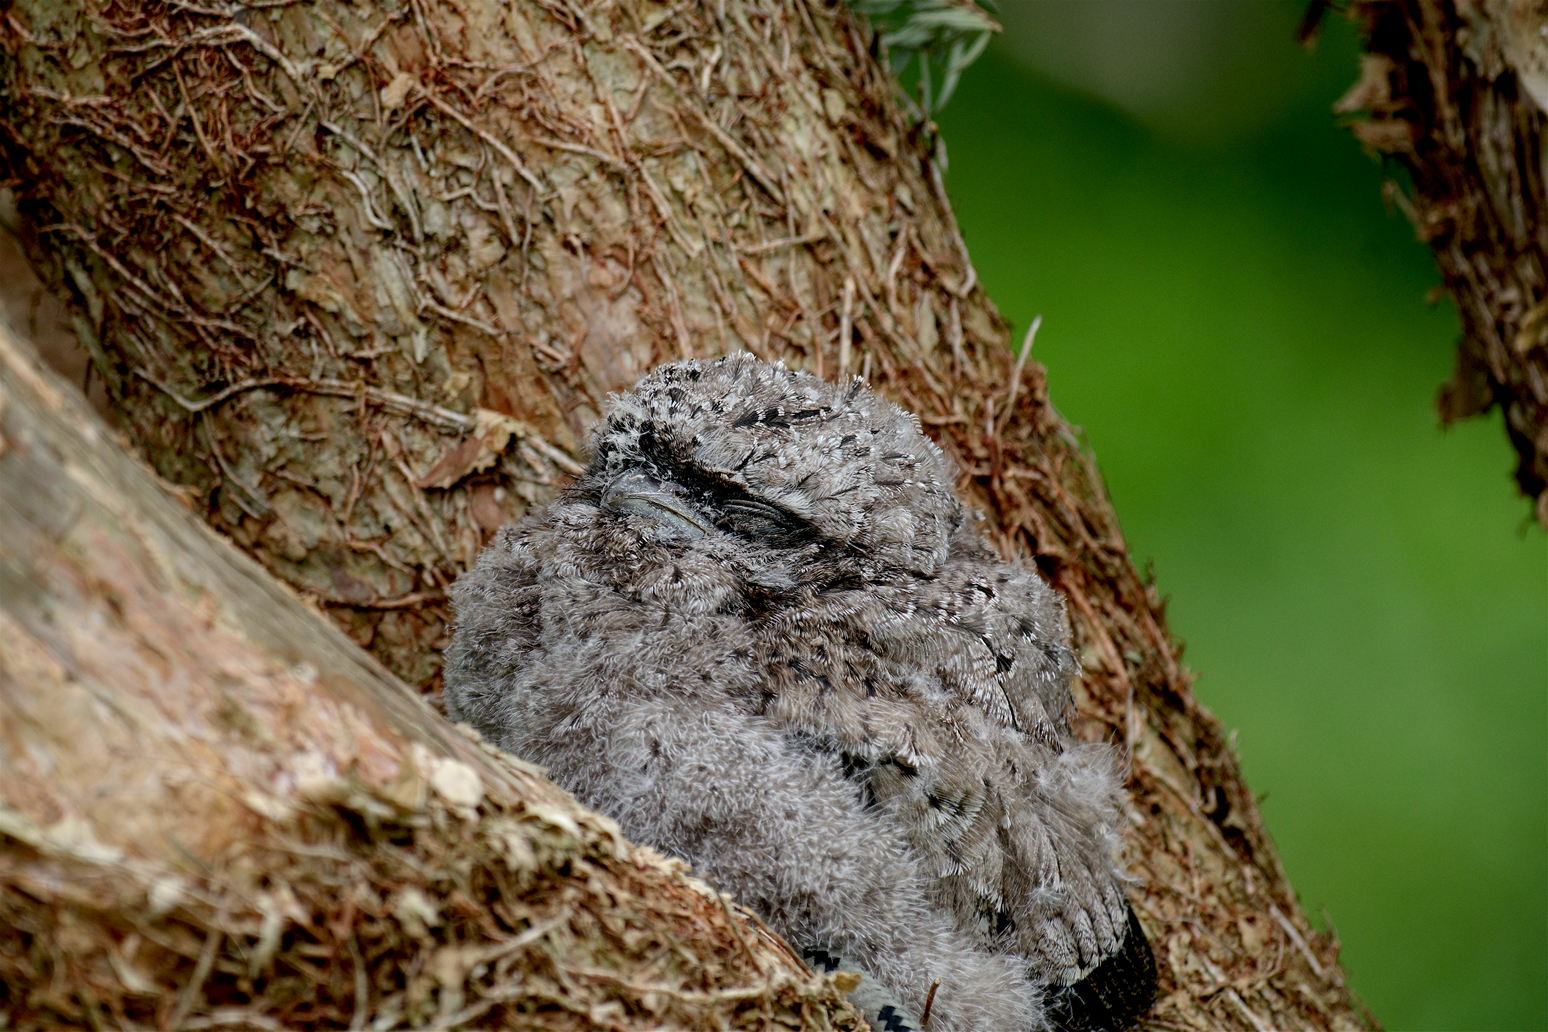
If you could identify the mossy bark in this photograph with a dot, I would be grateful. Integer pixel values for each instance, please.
(359, 278)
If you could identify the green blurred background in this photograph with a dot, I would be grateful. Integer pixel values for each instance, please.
(1241, 329)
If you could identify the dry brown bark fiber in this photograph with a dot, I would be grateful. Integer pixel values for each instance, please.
(358, 278)
(1454, 92)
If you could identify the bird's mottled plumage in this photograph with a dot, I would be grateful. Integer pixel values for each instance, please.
(762, 632)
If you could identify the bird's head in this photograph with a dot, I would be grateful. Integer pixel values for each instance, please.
(736, 446)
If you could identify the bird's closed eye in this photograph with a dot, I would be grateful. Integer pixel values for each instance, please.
(750, 518)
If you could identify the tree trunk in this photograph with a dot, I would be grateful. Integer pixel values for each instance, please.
(216, 807)
(1456, 91)
(359, 278)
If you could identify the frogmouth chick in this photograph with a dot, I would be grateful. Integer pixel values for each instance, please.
(762, 633)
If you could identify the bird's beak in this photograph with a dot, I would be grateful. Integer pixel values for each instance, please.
(638, 493)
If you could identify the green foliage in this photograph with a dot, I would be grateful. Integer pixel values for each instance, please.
(944, 36)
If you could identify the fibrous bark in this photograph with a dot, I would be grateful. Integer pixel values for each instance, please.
(1455, 91)
(360, 277)
(217, 812)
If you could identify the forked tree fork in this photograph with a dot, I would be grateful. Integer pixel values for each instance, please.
(358, 280)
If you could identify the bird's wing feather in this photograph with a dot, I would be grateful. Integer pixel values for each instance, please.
(935, 697)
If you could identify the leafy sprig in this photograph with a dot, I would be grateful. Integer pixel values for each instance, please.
(946, 36)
